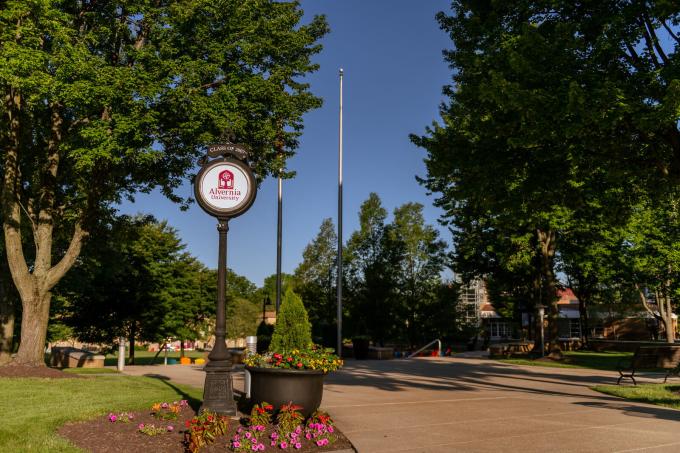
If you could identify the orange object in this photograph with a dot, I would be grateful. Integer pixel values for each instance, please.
(185, 361)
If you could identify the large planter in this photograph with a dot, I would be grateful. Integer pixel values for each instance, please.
(278, 386)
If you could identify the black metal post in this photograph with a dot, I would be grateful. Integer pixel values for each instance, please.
(218, 393)
(279, 231)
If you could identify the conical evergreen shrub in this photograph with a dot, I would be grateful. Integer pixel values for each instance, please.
(293, 329)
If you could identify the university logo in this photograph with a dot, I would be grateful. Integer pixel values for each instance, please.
(225, 180)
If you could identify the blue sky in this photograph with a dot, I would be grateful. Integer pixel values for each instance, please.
(391, 51)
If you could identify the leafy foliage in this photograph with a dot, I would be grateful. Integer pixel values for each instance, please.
(292, 330)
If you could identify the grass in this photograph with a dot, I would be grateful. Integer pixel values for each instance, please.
(667, 395)
(32, 409)
(145, 357)
(578, 359)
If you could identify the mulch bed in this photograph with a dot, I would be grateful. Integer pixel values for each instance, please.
(23, 371)
(102, 436)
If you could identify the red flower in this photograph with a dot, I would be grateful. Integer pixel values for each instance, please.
(269, 407)
(299, 365)
(290, 359)
(210, 418)
(187, 423)
(260, 410)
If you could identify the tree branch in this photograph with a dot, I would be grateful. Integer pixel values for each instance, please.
(650, 30)
(59, 270)
(670, 32)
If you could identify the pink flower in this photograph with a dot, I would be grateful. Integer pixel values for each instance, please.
(112, 418)
(248, 435)
(275, 435)
(330, 429)
(273, 443)
(236, 444)
(261, 447)
(298, 445)
(254, 447)
(183, 403)
(308, 436)
(298, 430)
(170, 428)
(283, 445)
(140, 426)
(131, 417)
(164, 405)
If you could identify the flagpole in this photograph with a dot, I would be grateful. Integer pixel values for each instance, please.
(339, 316)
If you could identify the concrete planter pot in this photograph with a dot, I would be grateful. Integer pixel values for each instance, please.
(278, 386)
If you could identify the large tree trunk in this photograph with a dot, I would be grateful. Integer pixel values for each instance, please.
(133, 332)
(33, 284)
(6, 315)
(547, 242)
(34, 318)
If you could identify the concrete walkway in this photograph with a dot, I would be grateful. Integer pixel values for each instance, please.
(479, 405)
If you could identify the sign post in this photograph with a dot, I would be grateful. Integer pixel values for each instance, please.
(225, 188)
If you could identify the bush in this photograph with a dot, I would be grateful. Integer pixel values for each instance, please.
(292, 330)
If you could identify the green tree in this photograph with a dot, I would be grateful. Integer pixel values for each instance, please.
(549, 102)
(135, 281)
(292, 329)
(419, 272)
(374, 257)
(315, 280)
(102, 100)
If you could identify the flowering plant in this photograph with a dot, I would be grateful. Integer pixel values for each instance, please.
(248, 439)
(203, 429)
(168, 411)
(153, 430)
(315, 358)
(123, 417)
(319, 429)
(261, 414)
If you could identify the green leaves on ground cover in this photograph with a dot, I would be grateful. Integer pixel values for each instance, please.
(31, 410)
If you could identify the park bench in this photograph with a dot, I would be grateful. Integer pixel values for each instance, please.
(651, 357)
(66, 357)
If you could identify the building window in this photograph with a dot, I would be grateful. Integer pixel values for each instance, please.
(499, 329)
(575, 328)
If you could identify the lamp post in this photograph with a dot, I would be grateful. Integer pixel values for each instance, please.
(225, 188)
(541, 314)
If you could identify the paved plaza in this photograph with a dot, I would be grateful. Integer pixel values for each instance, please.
(478, 405)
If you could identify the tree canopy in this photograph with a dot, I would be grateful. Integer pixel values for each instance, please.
(103, 100)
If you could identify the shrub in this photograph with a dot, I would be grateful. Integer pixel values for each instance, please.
(293, 329)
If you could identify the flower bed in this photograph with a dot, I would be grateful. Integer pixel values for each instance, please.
(153, 431)
(316, 358)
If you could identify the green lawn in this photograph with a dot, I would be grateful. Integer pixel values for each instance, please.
(662, 394)
(31, 409)
(579, 359)
(145, 357)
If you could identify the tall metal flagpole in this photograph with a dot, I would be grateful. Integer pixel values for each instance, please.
(339, 349)
(279, 230)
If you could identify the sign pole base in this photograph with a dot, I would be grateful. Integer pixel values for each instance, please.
(218, 394)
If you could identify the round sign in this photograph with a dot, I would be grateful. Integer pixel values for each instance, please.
(225, 188)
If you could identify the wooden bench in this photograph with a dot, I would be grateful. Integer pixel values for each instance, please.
(651, 357)
(66, 357)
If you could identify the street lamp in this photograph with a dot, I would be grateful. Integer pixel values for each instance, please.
(541, 315)
(266, 301)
